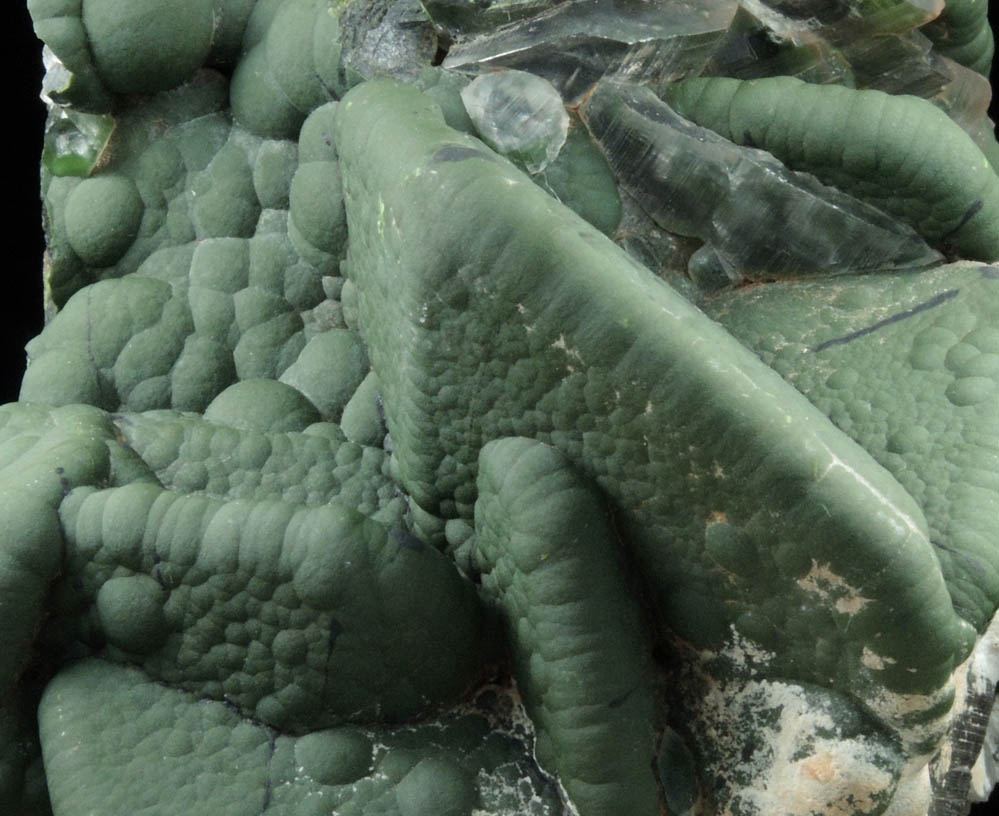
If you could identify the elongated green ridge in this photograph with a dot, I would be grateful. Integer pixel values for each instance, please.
(909, 367)
(962, 32)
(550, 559)
(521, 318)
(899, 153)
(213, 758)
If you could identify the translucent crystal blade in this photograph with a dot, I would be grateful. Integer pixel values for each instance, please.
(459, 17)
(750, 50)
(519, 115)
(574, 43)
(760, 219)
(964, 98)
(843, 20)
(74, 141)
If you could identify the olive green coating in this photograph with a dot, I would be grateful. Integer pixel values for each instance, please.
(130, 610)
(899, 153)
(304, 617)
(522, 319)
(582, 180)
(356, 471)
(103, 215)
(210, 757)
(549, 559)
(962, 32)
(280, 602)
(148, 45)
(310, 467)
(259, 404)
(291, 68)
(907, 365)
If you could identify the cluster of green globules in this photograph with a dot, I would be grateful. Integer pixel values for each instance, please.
(389, 450)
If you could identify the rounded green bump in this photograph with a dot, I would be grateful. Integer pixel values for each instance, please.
(360, 420)
(971, 391)
(959, 355)
(290, 58)
(397, 762)
(63, 376)
(436, 787)
(145, 46)
(337, 757)
(290, 647)
(131, 613)
(316, 205)
(677, 772)
(329, 370)
(273, 170)
(315, 139)
(262, 405)
(843, 379)
(908, 439)
(103, 215)
(258, 103)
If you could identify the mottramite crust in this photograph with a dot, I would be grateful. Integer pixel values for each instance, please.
(507, 409)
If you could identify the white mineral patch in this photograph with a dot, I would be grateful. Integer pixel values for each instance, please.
(874, 661)
(740, 652)
(894, 709)
(831, 587)
(912, 796)
(985, 772)
(983, 678)
(797, 768)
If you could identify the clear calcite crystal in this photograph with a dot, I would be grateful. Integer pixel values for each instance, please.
(760, 219)
(519, 115)
(576, 42)
(466, 16)
(840, 21)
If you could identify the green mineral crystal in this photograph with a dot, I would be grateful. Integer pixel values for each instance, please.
(506, 408)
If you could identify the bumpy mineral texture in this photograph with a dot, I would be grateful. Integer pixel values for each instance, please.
(507, 408)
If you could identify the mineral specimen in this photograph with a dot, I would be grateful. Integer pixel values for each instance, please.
(488, 408)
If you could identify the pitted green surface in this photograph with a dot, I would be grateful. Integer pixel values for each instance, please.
(909, 367)
(189, 323)
(549, 559)
(552, 332)
(214, 759)
(804, 601)
(176, 170)
(304, 617)
(310, 467)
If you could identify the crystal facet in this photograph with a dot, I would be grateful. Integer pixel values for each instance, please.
(573, 44)
(519, 115)
(760, 219)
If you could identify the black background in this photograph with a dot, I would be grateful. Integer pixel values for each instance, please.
(20, 266)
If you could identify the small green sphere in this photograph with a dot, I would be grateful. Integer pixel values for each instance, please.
(131, 613)
(337, 757)
(103, 215)
(436, 787)
(262, 405)
(145, 46)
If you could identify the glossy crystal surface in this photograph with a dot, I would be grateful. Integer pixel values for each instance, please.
(574, 43)
(519, 115)
(760, 219)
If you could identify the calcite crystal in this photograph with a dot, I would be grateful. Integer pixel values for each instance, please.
(508, 408)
